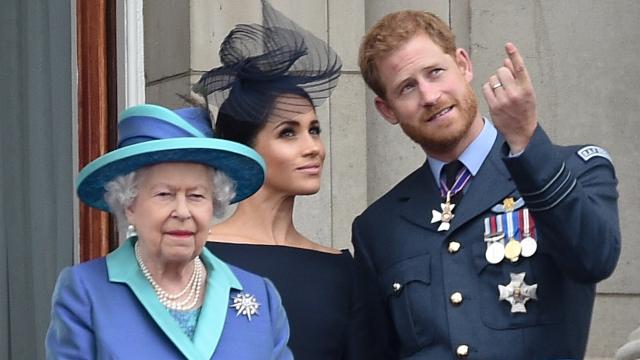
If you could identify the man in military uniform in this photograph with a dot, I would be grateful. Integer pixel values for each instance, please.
(491, 249)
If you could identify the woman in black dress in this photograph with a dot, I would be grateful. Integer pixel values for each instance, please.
(272, 78)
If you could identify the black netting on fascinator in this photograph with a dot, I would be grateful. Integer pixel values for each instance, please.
(263, 65)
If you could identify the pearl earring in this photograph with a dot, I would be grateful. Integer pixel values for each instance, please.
(131, 231)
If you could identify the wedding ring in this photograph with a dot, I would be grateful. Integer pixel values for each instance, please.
(496, 86)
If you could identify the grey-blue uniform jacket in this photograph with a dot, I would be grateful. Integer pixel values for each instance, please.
(414, 271)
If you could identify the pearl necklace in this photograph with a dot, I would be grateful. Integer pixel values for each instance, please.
(172, 301)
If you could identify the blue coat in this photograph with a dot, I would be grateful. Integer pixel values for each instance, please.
(106, 309)
(571, 192)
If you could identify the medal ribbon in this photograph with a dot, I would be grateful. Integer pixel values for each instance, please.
(462, 178)
(523, 222)
(487, 227)
(511, 222)
(493, 230)
(528, 224)
(532, 225)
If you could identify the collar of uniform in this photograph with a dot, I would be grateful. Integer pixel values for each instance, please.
(122, 267)
(474, 155)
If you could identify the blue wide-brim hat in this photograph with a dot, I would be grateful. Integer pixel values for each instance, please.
(151, 134)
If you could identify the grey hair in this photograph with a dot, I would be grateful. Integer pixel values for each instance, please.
(122, 191)
(119, 195)
(224, 190)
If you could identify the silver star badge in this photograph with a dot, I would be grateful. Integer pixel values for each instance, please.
(245, 304)
(445, 216)
(517, 293)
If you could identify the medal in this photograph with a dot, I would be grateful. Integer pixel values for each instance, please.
(512, 249)
(494, 240)
(529, 244)
(494, 253)
(517, 293)
(445, 216)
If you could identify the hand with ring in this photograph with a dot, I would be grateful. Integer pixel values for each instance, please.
(512, 102)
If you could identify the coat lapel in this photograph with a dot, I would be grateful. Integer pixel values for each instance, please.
(123, 268)
(220, 281)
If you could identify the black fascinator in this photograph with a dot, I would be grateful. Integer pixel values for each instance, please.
(261, 64)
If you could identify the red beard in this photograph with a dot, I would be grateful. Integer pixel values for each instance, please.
(444, 140)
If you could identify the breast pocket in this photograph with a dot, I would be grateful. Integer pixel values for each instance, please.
(497, 313)
(407, 286)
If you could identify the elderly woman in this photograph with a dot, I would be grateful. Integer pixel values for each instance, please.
(272, 78)
(161, 295)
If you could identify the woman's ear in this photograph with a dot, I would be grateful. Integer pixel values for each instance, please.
(385, 110)
(129, 213)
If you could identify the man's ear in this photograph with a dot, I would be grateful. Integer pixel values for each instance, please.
(385, 111)
(464, 64)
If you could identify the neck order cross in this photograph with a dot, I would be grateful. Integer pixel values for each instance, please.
(456, 177)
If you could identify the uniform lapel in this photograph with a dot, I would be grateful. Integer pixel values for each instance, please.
(418, 196)
(491, 184)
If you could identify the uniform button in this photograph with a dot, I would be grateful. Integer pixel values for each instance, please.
(454, 246)
(462, 351)
(396, 287)
(456, 298)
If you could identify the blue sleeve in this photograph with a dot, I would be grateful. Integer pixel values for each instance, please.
(383, 341)
(575, 205)
(363, 334)
(279, 324)
(70, 334)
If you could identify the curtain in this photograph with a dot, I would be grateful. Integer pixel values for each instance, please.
(36, 166)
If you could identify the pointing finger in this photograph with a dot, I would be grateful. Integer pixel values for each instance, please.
(519, 70)
(509, 65)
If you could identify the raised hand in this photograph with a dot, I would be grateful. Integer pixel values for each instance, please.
(512, 101)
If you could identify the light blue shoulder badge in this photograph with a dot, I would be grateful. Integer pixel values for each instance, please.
(592, 151)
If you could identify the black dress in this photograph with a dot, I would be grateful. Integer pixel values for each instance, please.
(325, 310)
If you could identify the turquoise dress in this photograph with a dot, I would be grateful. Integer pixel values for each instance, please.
(187, 319)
